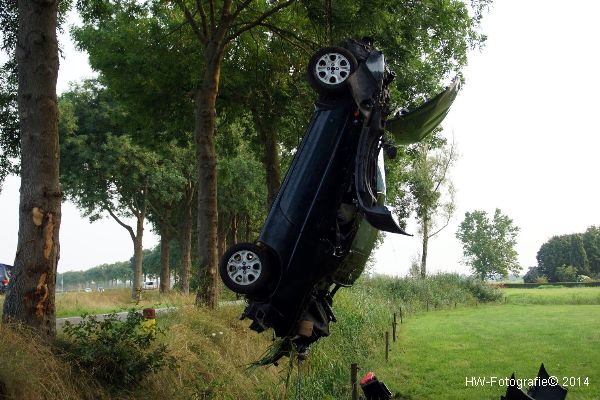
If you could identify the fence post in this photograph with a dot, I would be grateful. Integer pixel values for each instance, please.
(454, 304)
(427, 303)
(387, 345)
(394, 329)
(400, 314)
(353, 380)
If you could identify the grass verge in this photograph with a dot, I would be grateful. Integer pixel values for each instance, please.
(437, 351)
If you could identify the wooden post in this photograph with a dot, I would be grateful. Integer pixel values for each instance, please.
(400, 314)
(387, 345)
(454, 304)
(427, 303)
(394, 329)
(353, 380)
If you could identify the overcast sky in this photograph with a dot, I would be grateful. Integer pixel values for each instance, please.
(524, 124)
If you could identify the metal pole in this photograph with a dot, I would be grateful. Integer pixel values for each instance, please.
(353, 380)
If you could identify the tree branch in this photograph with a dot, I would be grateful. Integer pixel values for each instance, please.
(283, 32)
(442, 228)
(190, 19)
(124, 225)
(211, 7)
(446, 166)
(259, 20)
(200, 8)
(226, 10)
(240, 8)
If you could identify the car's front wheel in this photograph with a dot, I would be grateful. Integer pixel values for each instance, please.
(245, 269)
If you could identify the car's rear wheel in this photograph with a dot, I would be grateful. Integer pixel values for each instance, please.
(245, 269)
(329, 69)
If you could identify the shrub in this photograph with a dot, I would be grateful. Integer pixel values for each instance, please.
(532, 275)
(118, 353)
(566, 273)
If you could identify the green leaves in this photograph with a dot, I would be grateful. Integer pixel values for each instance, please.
(489, 245)
(117, 353)
(580, 251)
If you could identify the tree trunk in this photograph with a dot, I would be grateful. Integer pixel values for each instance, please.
(30, 298)
(138, 256)
(185, 238)
(205, 119)
(425, 223)
(234, 229)
(223, 232)
(165, 273)
(248, 230)
(270, 158)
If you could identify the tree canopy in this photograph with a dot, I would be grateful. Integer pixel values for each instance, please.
(489, 245)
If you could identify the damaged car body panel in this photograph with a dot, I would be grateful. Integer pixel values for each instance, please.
(323, 224)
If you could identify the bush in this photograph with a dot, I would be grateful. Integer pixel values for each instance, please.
(532, 275)
(566, 273)
(118, 353)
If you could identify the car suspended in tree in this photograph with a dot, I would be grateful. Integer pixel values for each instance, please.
(323, 224)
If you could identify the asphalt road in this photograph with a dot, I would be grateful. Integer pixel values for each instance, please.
(123, 315)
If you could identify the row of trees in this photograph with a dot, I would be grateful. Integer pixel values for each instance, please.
(105, 275)
(122, 272)
(182, 85)
(568, 258)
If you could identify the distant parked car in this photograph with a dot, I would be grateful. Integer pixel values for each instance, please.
(4, 277)
(87, 290)
(149, 285)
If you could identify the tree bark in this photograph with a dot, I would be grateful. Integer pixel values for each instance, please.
(138, 256)
(205, 122)
(223, 233)
(165, 272)
(234, 229)
(270, 159)
(185, 238)
(425, 223)
(30, 299)
(248, 230)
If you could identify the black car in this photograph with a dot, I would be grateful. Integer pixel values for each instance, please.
(323, 223)
(4, 277)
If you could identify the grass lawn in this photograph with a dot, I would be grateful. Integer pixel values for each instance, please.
(72, 304)
(437, 350)
(553, 295)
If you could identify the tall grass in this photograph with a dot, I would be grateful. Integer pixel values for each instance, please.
(214, 348)
(32, 370)
(441, 290)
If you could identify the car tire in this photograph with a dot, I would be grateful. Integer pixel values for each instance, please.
(245, 268)
(329, 69)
